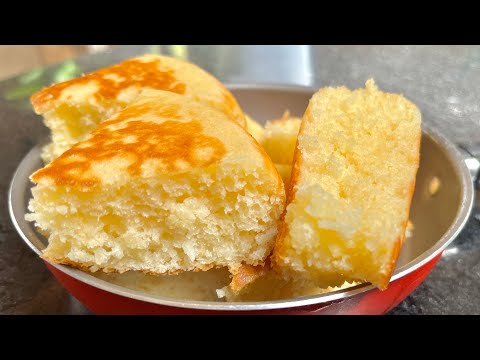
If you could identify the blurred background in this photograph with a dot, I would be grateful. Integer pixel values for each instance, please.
(440, 79)
(16, 59)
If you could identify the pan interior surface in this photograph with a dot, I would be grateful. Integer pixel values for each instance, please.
(435, 207)
(438, 190)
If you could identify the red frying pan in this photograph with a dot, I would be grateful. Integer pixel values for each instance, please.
(438, 217)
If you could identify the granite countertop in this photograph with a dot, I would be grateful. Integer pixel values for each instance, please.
(441, 80)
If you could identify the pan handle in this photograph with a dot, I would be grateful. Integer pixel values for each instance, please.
(471, 156)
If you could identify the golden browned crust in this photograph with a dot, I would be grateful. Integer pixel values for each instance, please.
(145, 72)
(86, 268)
(113, 79)
(278, 250)
(246, 274)
(241, 276)
(153, 128)
(399, 242)
(169, 142)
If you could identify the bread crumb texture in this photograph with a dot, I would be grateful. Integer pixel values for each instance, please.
(166, 185)
(352, 183)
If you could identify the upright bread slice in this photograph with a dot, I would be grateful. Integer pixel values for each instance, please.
(352, 183)
(73, 108)
(166, 185)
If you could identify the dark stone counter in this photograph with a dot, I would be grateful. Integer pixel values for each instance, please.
(442, 80)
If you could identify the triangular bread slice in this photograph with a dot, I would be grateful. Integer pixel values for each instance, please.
(352, 183)
(166, 185)
(73, 108)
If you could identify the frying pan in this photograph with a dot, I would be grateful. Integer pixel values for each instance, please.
(438, 216)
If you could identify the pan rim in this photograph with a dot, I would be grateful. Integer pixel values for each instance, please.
(463, 213)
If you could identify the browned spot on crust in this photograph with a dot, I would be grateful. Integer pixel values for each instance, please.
(116, 78)
(160, 109)
(175, 145)
(245, 275)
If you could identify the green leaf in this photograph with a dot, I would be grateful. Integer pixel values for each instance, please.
(68, 70)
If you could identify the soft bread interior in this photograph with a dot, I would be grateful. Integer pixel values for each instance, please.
(195, 192)
(70, 123)
(214, 218)
(280, 137)
(352, 183)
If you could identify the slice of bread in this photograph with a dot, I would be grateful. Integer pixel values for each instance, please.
(352, 183)
(261, 283)
(280, 138)
(73, 108)
(166, 185)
